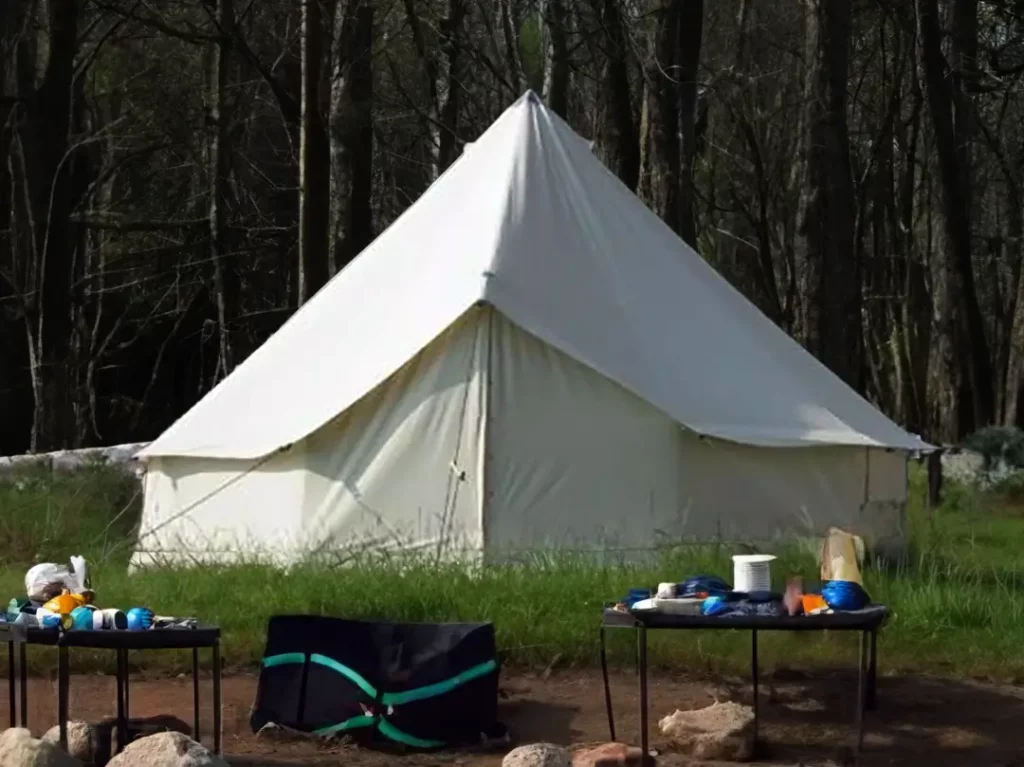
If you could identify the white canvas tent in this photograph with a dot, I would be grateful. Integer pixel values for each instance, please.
(527, 358)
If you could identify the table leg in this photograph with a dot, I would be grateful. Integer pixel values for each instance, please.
(607, 689)
(641, 638)
(860, 702)
(195, 695)
(11, 689)
(216, 699)
(62, 695)
(122, 714)
(754, 679)
(23, 668)
(127, 698)
(872, 695)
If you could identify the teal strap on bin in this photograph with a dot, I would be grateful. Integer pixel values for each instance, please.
(438, 688)
(286, 658)
(349, 724)
(349, 673)
(385, 728)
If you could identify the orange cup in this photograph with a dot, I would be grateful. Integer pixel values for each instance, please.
(812, 602)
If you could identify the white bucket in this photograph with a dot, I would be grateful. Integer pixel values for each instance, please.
(752, 572)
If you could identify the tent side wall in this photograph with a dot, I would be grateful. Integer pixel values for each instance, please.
(398, 471)
(572, 461)
(756, 493)
(576, 461)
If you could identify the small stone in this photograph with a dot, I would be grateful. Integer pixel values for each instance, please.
(537, 755)
(19, 749)
(611, 755)
(166, 749)
(723, 731)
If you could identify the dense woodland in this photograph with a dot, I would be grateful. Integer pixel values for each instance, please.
(178, 176)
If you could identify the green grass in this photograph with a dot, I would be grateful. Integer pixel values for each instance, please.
(958, 598)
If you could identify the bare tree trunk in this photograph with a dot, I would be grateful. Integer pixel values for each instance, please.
(102, 244)
(44, 181)
(753, 248)
(351, 131)
(1014, 385)
(314, 161)
(690, 32)
(663, 114)
(449, 85)
(555, 20)
(10, 23)
(225, 279)
(962, 332)
(915, 320)
(510, 24)
(830, 271)
(618, 132)
(442, 118)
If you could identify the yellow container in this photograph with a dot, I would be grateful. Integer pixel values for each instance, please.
(65, 603)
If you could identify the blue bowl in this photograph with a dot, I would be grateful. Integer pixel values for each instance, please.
(714, 606)
(140, 619)
(845, 595)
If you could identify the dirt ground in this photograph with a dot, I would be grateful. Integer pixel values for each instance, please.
(804, 720)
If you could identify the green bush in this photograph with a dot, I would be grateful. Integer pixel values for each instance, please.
(998, 444)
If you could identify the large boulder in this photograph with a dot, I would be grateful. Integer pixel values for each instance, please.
(166, 749)
(537, 755)
(19, 749)
(86, 742)
(722, 731)
(611, 755)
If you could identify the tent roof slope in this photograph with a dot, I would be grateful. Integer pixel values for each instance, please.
(531, 222)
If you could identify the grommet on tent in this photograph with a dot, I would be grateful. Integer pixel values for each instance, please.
(532, 97)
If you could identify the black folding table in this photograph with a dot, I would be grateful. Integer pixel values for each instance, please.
(121, 642)
(867, 622)
(13, 634)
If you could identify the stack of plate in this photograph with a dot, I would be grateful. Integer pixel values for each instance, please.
(752, 572)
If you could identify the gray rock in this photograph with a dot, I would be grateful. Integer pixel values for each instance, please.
(537, 755)
(85, 742)
(19, 749)
(723, 731)
(166, 749)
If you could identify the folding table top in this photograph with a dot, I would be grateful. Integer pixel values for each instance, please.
(12, 632)
(151, 639)
(868, 619)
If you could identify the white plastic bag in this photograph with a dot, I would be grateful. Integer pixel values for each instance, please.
(47, 580)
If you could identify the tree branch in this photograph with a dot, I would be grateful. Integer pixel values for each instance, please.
(109, 220)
